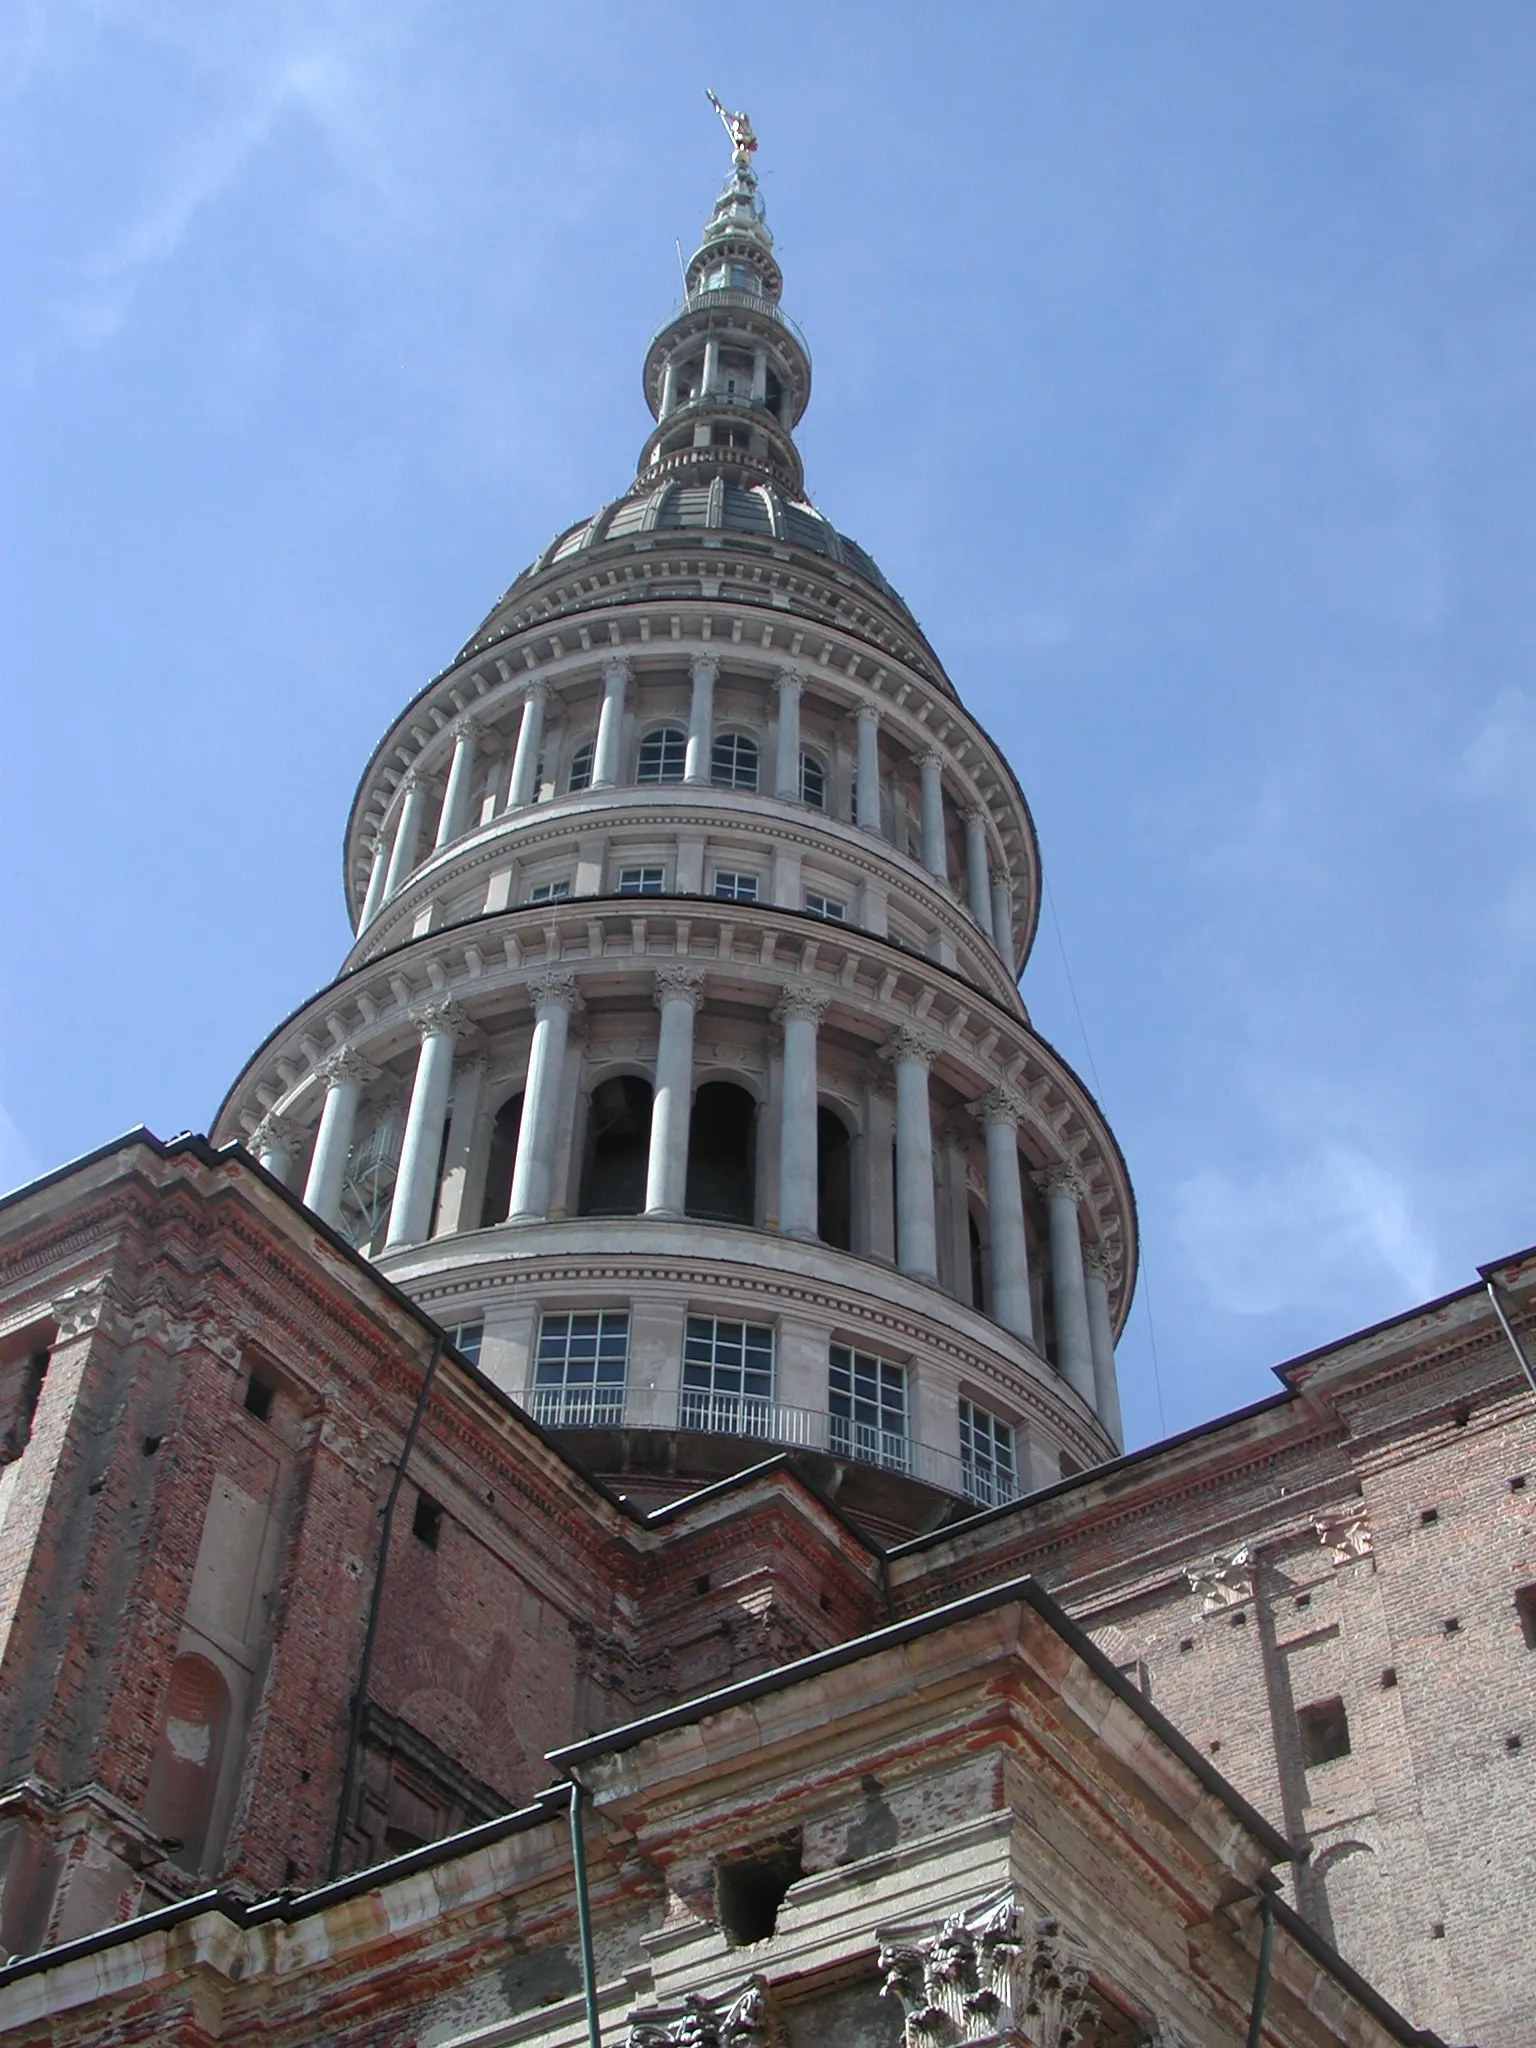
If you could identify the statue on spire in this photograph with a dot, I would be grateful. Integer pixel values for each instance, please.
(739, 129)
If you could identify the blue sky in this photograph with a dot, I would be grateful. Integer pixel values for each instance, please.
(1177, 362)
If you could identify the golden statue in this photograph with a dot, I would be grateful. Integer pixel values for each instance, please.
(739, 129)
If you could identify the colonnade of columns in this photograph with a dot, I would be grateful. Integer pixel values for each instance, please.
(1080, 1277)
(987, 892)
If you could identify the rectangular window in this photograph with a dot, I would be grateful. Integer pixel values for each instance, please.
(986, 1456)
(827, 907)
(867, 1399)
(642, 881)
(1324, 1731)
(728, 1377)
(466, 1339)
(579, 1368)
(580, 776)
(549, 892)
(735, 888)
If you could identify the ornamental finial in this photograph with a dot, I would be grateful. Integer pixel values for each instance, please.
(739, 129)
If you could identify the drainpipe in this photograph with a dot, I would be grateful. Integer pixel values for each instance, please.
(584, 1918)
(1495, 1295)
(1261, 1982)
(360, 1697)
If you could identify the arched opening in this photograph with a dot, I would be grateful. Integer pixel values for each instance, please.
(618, 1144)
(978, 1268)
(503, 1157)
(580, 776)
(722, 1153)
(662, 755)
(733, 761)
(184, 1771)
(834, 1181)
(813, 782)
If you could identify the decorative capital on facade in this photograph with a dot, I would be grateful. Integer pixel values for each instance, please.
(412, 783)
(679, 985)
(1226, 1580)
(536, 693)
(789, 679)
(808, 1004)
(555, 992)
(1101, 1261)
(346, 1064)
(1000, 1105)
(465, 728)
(984, 1978)
(617, 669)
(274, 1134)
(1062, 1179)
(867, 714)
(1344, 1536)
(704, 668)
(442, 1016)
(81, 1310)
(932, 758)
(906, 1043)
(974, 814)
(743, 2020)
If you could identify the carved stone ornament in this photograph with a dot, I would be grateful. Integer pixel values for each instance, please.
(1000, 1105)
(1344, 1536)
(1101, 1262)
(79, 1311)
(1063, 1178)
(808, 1003)
(679, 984)
(985, 1978)
(745, 2019)
(442, 1014)
(705, 668)
(1226, 1581)
(867, 714)
(908, 1043)
(466, 726)
(274, 1134)
(617, 669)
(930, 758)
(413, 782)
(790, 679)
(557, 991)
(346, 1064)
(536, 693)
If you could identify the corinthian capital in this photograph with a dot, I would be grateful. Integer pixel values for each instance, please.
(704, 668)
(1062, 1178)
(465, 727)
(346, 1064)
(789, 679)
(1101, 1262)
(931, 757)
(555, 992)
(274, 1134)
(412, 782)
(440, 1015)
(808, 1003)
(679, 985)
(617, 668)
(536, 693)
(1000, 1105)
(907, 1042)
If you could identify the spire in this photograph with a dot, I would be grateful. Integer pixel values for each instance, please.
(728, 375)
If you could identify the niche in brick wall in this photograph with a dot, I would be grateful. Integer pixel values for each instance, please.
(184, 1773)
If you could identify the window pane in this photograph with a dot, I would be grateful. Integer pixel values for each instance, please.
(867, 1402)
(728, 1377)
(581, 767)
(579, 1368)
(813, 782)
(733, 761)
(827, 907)
(662, 755)
(986, 1456)
(735, 888)
(549, 892)
(641, 881)
(467, 1339)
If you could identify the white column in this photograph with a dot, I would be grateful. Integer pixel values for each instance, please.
(460, 774)
(1000, 1111)
(800, 1011)
(869, 767)
(376, 874)
(1100, 1267)
(786, 777)
(274, 1145)
(911, 1053)
(880, 1116)
(701, 719)
(530, 738)
(935, 853)
(610, 724)
(679, 992)
(441, 1025)
(759, 376)
(402, 858)
(711, 366)
(1002, 917)
(978, 881)
(668, 388)
(1063, 1190)
(345, 1074)
(555, 997)
(465, 1122)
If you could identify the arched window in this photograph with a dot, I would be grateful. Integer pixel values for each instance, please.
(503, 1157)
(722, 1173)
(834, 1181)
(184, 1771)
(662, 755)
(580, 776)
(733, 761)
(618, 1142)
(813, 782)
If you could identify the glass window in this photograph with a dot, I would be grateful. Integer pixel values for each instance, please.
(581, 766)
(733, 761)
(728, 1377)
(642, 881)
(867, 1399)
(986, 1456)
(579, 1368)
(549, 892)
(662, 755)
(733, 887)
(827, 907)
(813, 782)
(466, 1339)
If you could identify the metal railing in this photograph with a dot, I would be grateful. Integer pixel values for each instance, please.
(732, 296)
(764, 1421)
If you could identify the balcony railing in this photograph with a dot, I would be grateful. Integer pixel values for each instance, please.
(728, 296)
(766, 1422)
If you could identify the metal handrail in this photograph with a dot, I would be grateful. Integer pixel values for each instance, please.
(733, 296)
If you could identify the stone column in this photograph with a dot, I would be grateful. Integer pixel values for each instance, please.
(911, 1053)
(402, 858)
(464, 1126)
(759, 376)
(786, 777)
(868, 818)
(701, 719)
(1099, 1267)
(711, 372)
(441, 1024)
(679, 992)
(461, 771)
(1063, 1189)
(375, 892)
(800, 1011)
(555, 998)
(668, 388)
(1002, 917)
(1000, 1110)
(530, 738)
(345, 1074)
(978, 881)
(880, 1115)
(935, 854)
(274, 1145)
(610, 723)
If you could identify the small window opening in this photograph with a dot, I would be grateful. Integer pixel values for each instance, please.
(1389, 1678)
(1215, 1745)
(1452, 1624)
(1240, 1619)
(1525, 1607)
(826, 1604)
(152, 1444)
(1437, 1930)
(21, 1385)
(1517, 1484)
(701, 1583)
(1324, 1730)
(1512, 1743)
(1186, 1646)
(1462, 1416)
(1303, 1599)
(258, 1397)
(427, 1522)
(1428, 1515)
(750, 1889)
